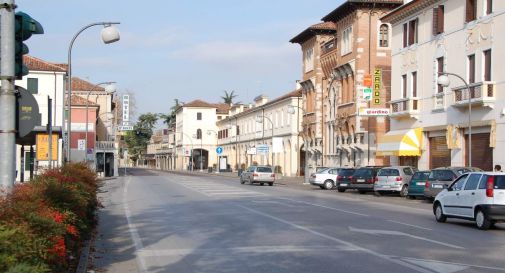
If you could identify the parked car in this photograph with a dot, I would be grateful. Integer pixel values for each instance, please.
(394, 179)
(363, 179)
(258, 174)
(475, 196)
(441, 178)
(344, 178)
(417, 184)
(324, 178)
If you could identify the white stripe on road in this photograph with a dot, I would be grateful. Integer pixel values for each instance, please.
(137, 243)
(410, 225)
(326, 207)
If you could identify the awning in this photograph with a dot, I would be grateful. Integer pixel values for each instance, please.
(401, 143)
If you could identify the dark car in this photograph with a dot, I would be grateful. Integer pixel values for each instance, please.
(363, 178)
(441, 178)
(344, 178)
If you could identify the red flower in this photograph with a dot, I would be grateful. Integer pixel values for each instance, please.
(72, 230)
(58, 217)
(59, 246)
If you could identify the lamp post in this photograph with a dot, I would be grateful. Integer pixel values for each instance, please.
(110, 89)
(444, 81)
(110, 34)
(259, 119)
(292, 110)
(209, 131)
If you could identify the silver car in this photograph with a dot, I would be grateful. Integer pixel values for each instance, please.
(394, 179)
(258, 174)
(324, 178)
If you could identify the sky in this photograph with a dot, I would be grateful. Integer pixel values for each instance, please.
(193, 49)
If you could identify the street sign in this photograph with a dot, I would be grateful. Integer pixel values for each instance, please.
(219, 150)
(367, 80)
(374, 112)
(81, 144)
(367, 94)
(125, 128)
(27, 112)
(262, 149)
(251, 151)
(42, 150)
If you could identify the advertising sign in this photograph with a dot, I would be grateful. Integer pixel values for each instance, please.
(367, 94)
(27, 112)
(377, 83)
(126, 109)
(367, 80)
(81, 144)
(251, 151)
(42, 151)
(374, 112)
(262, 149)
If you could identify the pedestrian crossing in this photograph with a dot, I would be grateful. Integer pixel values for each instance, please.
(218, 190)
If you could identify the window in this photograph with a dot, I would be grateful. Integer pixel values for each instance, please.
(472, 182)
(33, 85)
(414, 84)
(438, 20)
(199, 134)
(219, 117)
(309, 59)
(199, 116)
(440, 68)
(410, 33)
(347, 41)
(238, 130)
(404, 86)
(407, 171)
(487, 65)
(384, 35)
(405, 35)
(489, 7)
(458, 184)
(28, 160)
(471, 69)
(471, 10)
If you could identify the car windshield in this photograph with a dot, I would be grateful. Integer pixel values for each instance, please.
(264, 170)
(442, 175)
(388, 172)
(322, 170)
(420, 176)
(363, 172)
(346, 172)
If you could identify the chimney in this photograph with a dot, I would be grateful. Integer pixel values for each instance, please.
(260, 100)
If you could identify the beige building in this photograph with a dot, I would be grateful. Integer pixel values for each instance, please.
(249, 129)
(431, 120)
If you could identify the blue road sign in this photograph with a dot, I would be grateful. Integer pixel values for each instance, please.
(219, 150)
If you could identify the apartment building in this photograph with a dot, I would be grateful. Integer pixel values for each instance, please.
(433, 121)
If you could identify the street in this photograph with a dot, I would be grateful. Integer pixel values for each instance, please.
(164, 222)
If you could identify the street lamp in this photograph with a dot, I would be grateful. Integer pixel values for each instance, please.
(443, 80)
(109, 89)
(109, 34)
(259, 119)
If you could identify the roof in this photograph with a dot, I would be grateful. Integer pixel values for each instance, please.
(406, 10)
(82, 85)
(351, 5)
(320, 28)
(36, 64)
(79, 101)
(223, 108)
(199, 103)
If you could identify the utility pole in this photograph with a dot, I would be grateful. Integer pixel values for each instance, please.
(7, 95)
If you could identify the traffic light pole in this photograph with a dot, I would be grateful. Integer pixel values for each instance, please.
(7, 96)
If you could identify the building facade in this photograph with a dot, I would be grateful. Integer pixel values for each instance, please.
(434, 121)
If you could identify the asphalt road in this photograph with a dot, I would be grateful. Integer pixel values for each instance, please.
(160, 222)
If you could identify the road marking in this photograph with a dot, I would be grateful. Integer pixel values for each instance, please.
(399, 233)
(219, 190)
(133, 230)
(437, 264)
(326, 207)
(351, 245)
(410, 225)
(243, 250)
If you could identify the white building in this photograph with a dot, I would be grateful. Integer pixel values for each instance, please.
(430, 122)
(267, 122)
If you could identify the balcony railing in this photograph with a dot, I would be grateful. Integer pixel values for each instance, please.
(481, 93)
(329, 46)
(105, 145)
(405, 107)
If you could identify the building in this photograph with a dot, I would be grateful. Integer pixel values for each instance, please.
(161, 150)
(244, 135)
(431, 120)
(83, 111)
(310, 41)
(196, 130)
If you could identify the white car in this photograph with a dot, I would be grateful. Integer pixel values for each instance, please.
(327, 178)
(475, 196)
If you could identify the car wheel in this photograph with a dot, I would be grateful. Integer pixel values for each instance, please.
(242, 180)
(341, 190)
(482, 220)
(262, 183)
(361, 191)
(405, 191)
(322, 187)
(328, 184)
(411, 197)
(270, 183)
(439, 214)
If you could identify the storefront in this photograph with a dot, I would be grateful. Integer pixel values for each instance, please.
(440, 155)
(404, 144)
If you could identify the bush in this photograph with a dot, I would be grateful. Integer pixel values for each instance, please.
(43, 222)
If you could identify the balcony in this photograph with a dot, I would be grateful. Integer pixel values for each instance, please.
(408, 107)
(329, 56)
(482, 94)
(105, 146)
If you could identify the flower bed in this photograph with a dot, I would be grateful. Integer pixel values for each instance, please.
(43, 222)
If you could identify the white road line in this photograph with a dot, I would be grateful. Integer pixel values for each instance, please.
(460, 264)
(133, 230)
(358, 248)
(326, 207)
(410, 225)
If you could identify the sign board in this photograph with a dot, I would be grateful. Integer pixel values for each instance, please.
(367, 94)
(125, 128)
(374, 112)
(277, 146)
(219, 150)
(81, 127)
(81, 144)
(27, 112)
(377, 85)
(263, 149)
(223, 162)
(251, 151)
(42, 150)
(126, 108)
(367, 80)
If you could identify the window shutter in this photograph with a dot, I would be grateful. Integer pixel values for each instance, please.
(405, 32)
(470, 10)
(412, 32)
(435, 21)
(440, 19)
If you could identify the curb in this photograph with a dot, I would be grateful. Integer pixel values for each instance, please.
(83, 259)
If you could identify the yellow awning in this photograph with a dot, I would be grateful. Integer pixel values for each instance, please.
(401, 143)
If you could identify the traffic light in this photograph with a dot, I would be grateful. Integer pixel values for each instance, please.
(25, 27)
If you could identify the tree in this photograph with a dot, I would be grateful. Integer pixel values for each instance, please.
(228, 97)
(138, 139)
(169, 119)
